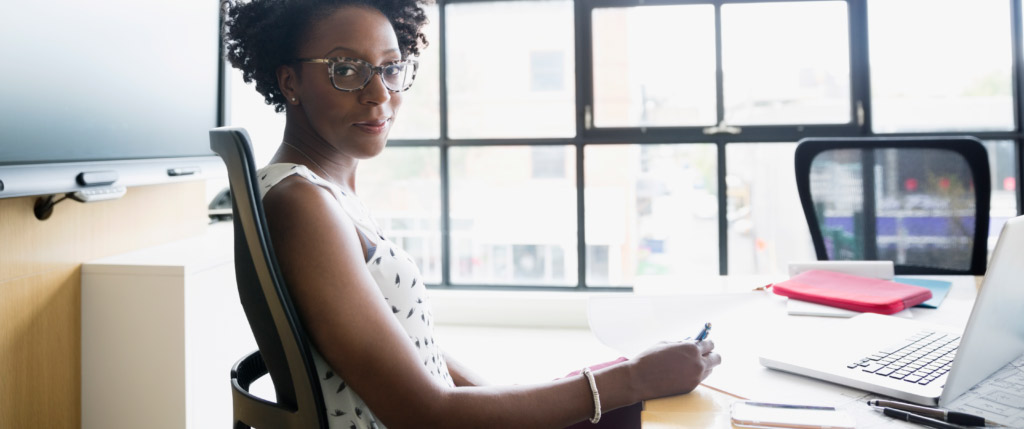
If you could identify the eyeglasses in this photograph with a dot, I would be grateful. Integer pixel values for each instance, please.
(353, 74)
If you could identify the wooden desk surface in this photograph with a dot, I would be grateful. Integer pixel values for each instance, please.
(705, 407)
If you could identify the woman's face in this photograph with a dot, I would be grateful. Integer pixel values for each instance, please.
(357, 123)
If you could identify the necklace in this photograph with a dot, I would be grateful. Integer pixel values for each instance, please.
(317, 164)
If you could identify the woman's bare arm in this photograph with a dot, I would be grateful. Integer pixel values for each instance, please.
(462, 375)
(355, 331)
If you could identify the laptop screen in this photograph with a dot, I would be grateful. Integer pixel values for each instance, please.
(995, 330)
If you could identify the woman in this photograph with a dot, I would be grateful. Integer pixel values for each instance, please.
(338, 69)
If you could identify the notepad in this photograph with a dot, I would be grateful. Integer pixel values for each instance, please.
(939, 288)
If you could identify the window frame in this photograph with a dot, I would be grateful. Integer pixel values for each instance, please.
(586, 134)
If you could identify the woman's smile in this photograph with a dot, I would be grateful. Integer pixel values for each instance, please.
(373, 126)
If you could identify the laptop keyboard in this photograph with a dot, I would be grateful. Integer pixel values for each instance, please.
(920, 359)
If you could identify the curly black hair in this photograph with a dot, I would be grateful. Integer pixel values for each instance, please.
(261, 35)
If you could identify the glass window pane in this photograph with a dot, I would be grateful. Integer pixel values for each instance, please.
(647, 76)
(420, 115)
(1002, 162)
(513, 222)
(651, 210)
(767, 228)
(248, 109)
(940, 65)
(786, 63)
(504, 82)
(402, 187)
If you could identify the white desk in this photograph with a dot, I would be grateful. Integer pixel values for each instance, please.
(745, 322)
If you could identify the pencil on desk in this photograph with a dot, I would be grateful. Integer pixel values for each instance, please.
(914, 418)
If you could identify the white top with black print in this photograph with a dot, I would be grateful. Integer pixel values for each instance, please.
(398, 279)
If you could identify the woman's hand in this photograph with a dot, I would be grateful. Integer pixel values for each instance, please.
(672, 368)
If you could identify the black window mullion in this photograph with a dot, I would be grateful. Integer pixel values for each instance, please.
(584, 71)
(982, 135)
(510, 142)
(445, 218)
(719, 85)
(869, 212)
(1017, 33)
(860, 71)
(765, 133)
(781, 134)
(584, 102)
(1018, 64)
(581, 239)
(723, 222)
(442, 52)
(443, 146)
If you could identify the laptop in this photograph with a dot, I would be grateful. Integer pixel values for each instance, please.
(870, 351)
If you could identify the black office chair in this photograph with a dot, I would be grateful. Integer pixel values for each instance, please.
(922, 202)
(284, 348)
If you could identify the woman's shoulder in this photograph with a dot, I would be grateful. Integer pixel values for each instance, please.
(296, 207)
(292, 190)
(289, 187)
(273, 174)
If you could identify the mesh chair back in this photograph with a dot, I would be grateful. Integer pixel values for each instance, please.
(922, 203)
(283, 344)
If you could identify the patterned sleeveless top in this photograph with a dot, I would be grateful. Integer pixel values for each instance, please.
(398, 279)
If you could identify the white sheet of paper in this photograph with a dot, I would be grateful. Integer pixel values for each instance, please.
(633, 323)
(796, 307)
(999, 398)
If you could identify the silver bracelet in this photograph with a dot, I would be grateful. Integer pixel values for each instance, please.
(597, 397)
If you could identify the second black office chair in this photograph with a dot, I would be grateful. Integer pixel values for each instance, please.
(921, 202)
(284, 348)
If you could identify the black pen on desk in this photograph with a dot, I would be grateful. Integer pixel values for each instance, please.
(935, 413)
(921, 420)
(703, 332)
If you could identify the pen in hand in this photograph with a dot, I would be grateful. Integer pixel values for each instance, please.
(703, 332)
(935, 413)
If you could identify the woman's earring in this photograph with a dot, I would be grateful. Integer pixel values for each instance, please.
(293, 99)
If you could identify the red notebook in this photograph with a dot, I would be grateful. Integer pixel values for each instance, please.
(852, 292)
